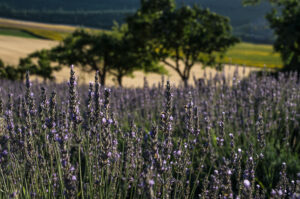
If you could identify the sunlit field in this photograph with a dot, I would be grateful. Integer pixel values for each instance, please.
(253, 55)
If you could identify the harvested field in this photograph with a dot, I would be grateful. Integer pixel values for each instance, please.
(13, 48)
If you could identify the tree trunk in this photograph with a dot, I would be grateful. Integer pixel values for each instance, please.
(103, 74)
(186, 74)
(185, 81)
(102, 78)
(119, 78)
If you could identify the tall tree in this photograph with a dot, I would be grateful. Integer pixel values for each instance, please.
(112, 53)
(127, 57)
(90, 51)
(184, 35)
(126, 61)
(284, 19)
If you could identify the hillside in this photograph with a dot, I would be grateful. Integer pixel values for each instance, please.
(248, 22)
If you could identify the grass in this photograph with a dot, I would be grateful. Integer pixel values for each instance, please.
(40, 30)
(48, 34)
(17, 33)
(258, 55)
(36, 32)
(33, 33)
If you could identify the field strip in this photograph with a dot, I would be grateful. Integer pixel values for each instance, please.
(28, 24)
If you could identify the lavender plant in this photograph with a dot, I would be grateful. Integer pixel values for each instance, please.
(222, 138)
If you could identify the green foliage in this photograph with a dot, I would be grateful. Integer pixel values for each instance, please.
(127, 57)
(286, 26)
(38, 63)
(285, 21)
(185, 35)
(112, 53)
(43, 66)
(151, 6)
(8, 72)
(90, 51)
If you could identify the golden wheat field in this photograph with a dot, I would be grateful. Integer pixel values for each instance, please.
(14, 48)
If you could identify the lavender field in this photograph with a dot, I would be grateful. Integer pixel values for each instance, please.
(222, 138)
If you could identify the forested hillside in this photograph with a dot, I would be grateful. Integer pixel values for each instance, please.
(248, 22)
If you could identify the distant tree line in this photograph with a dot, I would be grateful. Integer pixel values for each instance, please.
(98, 19)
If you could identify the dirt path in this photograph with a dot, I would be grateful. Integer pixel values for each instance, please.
(13, 48)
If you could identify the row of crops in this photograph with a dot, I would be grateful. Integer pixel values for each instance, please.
(218, 139)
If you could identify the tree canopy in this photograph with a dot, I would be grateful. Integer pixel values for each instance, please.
(8, 72)
(90, 51)
(112, 53)
(186, 35)
(39, 63)
(284, 19)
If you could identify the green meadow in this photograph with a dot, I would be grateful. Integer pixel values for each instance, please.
(258, 55)
(15, 32)
(33, 33)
